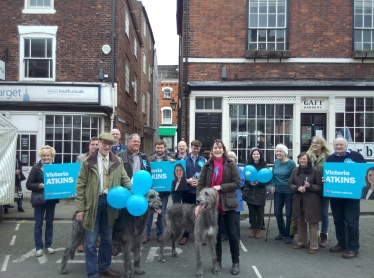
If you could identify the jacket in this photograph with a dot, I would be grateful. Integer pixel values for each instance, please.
(87, 188)
(364, 192)
(309, 201)
(20, 177)
(128, 162)
(193, 168)
(255, 195)
(35, 178)
(239, 191)
(230, 182)
(165, 158)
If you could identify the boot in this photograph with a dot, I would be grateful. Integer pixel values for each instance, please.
(258, 233)
(235, 269)
(253, 233)
(323, 242)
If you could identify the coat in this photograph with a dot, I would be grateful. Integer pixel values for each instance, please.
(309, 200)
(35, 178)
(128, 162)
(255, 195)
(230, 183)
(364, 192)
(87, 188)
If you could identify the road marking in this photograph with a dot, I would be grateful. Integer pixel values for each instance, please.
(13, 240)
(257, 272)
(17, 227)
(154, 251)
(42, 259)
(243, 247)
(31, 253)
(5, 263)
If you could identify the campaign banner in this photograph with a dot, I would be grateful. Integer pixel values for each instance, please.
(169, 176)
(60, 179)
(348, 180)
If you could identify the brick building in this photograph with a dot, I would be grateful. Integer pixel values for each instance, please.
(168, 104)
(68, 77)
(288, 70)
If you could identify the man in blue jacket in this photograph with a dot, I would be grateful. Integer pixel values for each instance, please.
(194, 163)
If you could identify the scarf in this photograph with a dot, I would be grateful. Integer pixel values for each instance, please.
(217, 180)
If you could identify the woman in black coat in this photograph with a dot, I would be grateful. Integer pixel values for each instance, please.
(368, 190)
(35, 183)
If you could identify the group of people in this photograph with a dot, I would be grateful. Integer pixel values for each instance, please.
(296, 188)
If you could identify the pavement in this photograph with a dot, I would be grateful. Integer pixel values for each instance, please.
(66, 209)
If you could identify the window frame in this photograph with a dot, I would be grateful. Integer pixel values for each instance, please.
(362, 29)
(144, 104)
(135, 48)
(127, 78)
(127, 24)
(164, 119)
(259, 43)
(144, 64)
(135, 87)
(36, 32)
(164, 92)
(38, 9)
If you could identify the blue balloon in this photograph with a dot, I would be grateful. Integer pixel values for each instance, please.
(264, 175)
(137, 205)
(118, 196)
(141, 182)
(250, 173)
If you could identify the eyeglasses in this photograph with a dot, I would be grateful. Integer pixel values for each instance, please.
(316, 143)
(106, 143)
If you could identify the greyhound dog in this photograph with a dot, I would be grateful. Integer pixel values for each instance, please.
(180, 217)
(128, 229)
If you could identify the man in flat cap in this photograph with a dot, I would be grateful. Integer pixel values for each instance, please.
(100, 172)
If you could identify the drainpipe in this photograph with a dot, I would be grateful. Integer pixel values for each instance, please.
(113, 116)
(186, 70)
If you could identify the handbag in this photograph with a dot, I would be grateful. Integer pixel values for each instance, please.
(37, 199)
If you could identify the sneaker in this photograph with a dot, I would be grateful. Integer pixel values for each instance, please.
(39, 253)
(50, 250)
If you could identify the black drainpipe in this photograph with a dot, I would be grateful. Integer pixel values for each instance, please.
(186, 93)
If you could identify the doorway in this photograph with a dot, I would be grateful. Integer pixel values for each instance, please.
(207, 129)
(311, 125)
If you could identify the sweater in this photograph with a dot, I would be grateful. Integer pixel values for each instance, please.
(192, 169)
(281, 175)
(347, 158)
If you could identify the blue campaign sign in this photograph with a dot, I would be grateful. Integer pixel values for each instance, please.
(348, 180)
(169, 176)
(60, 179)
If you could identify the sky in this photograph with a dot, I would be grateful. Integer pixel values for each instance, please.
(162, 15)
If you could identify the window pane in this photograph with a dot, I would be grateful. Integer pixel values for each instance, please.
(77, 121)
(358, 35)
(85, 122)
(262, 35)
(368, 7)
(288, 111)
(261, 111)
(369, 120)
(359, 104)
(94, 122)
(272, 20)
(269, 110)
(86, 135)
(77, 134)
(349, 119)
(253, 7)
(251, 110)
(358, 46)
(281, 7)
(263, 7)
(358, 21)
(38, 68)
(279, 127)
(262, 20)
(199, 103)
(280, 35)
(49, 134)
(279, 111)
(359, 119)
(27, 48)
(252, 36)
(271, 35)
(58, 146)
(67, 147)
(234, 111)
(38, 48)
(349, 104)
(58, 134)
(358, 7)
(339, 119)
(272, 7)
(369, 135)
(366, 36)
(242, 111)
(253, 20)
(369, 104)
(260, 126)
(208, 103)
(366, 46)
(49, 48)
(68, 133)
(367, 21)
(217, 103)
(269, 126)
(281, 21)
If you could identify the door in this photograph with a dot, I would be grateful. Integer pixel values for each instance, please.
(311, 125)
(207, 129)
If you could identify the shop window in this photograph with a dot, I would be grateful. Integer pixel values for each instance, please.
(262, 126)
(70, 134)
(267, 25)
(356, 124)
(363, 36)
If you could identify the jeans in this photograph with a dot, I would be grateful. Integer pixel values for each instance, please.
(237, 227)
(280, 200)
(49, 210)
(325, 202)
(104, 257)
(188, 198)
(346, 213)
(164, 200)
(229, 220)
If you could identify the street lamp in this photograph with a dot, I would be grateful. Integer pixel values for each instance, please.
(173, 104)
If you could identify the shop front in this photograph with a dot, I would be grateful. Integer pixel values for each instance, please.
(169, 135)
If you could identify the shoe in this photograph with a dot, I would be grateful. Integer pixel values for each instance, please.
(110, 273)
(159, 239)
(297, 246)
(288, 240)
(39, 253)
(116, 249)
(235, 269)
(145, 240)
(253, 233)
(337, 249)
(50, 250)
(258, 234)
(279, 237)
(21, 210)
(80, 248)
(6, 211)
(323, 242)
(97, 244)
(223, 238)
(350, 255)
(11, 207)
(263, 227)
(312, 251)
(183, 241)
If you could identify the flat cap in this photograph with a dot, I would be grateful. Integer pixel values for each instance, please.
(106, 136)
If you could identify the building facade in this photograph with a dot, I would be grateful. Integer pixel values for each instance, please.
(69, 77)
(261, 72)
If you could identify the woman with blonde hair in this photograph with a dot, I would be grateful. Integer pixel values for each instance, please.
(318, 153)
(35, 183)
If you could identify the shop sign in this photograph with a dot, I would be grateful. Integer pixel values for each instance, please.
(313, 104)
(49, 94)
(366, 150)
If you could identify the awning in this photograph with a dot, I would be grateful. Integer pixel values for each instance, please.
(166, 131)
